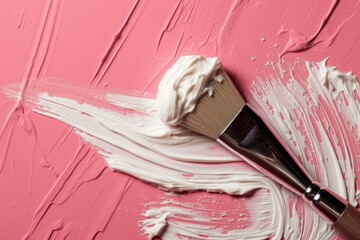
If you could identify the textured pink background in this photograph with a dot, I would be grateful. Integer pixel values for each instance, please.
(50, 179)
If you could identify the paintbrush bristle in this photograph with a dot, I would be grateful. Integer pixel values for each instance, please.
(214, 113)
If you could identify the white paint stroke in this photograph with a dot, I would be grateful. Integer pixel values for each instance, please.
(316, 113)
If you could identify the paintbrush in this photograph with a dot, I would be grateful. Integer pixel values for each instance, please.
(223, 115)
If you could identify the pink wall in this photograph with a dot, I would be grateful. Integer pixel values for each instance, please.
(49, 178)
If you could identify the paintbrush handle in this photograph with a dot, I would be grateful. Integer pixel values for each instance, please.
(349, 223)
(342, 216)
(248, 136)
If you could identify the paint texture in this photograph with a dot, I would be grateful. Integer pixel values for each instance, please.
(79, 124)
(184, 84)
(176, 159)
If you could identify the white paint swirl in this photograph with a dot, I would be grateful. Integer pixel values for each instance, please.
(316, 113)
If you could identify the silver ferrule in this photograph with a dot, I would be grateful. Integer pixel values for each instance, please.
(249, 137)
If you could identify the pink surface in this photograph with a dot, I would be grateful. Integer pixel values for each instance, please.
(50, 180)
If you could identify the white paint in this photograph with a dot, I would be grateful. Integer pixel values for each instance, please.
(184, 84)
(202, 216)
(304, 112)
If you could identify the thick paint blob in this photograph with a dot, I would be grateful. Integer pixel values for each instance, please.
(184, 84)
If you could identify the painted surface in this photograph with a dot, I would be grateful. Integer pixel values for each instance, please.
(64, 62)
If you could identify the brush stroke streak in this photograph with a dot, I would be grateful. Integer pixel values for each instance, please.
(131, 138)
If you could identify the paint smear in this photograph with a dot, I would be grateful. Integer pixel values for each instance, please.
(314, 109)
(91, 61)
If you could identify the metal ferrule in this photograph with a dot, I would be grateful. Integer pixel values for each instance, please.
(249, 137)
